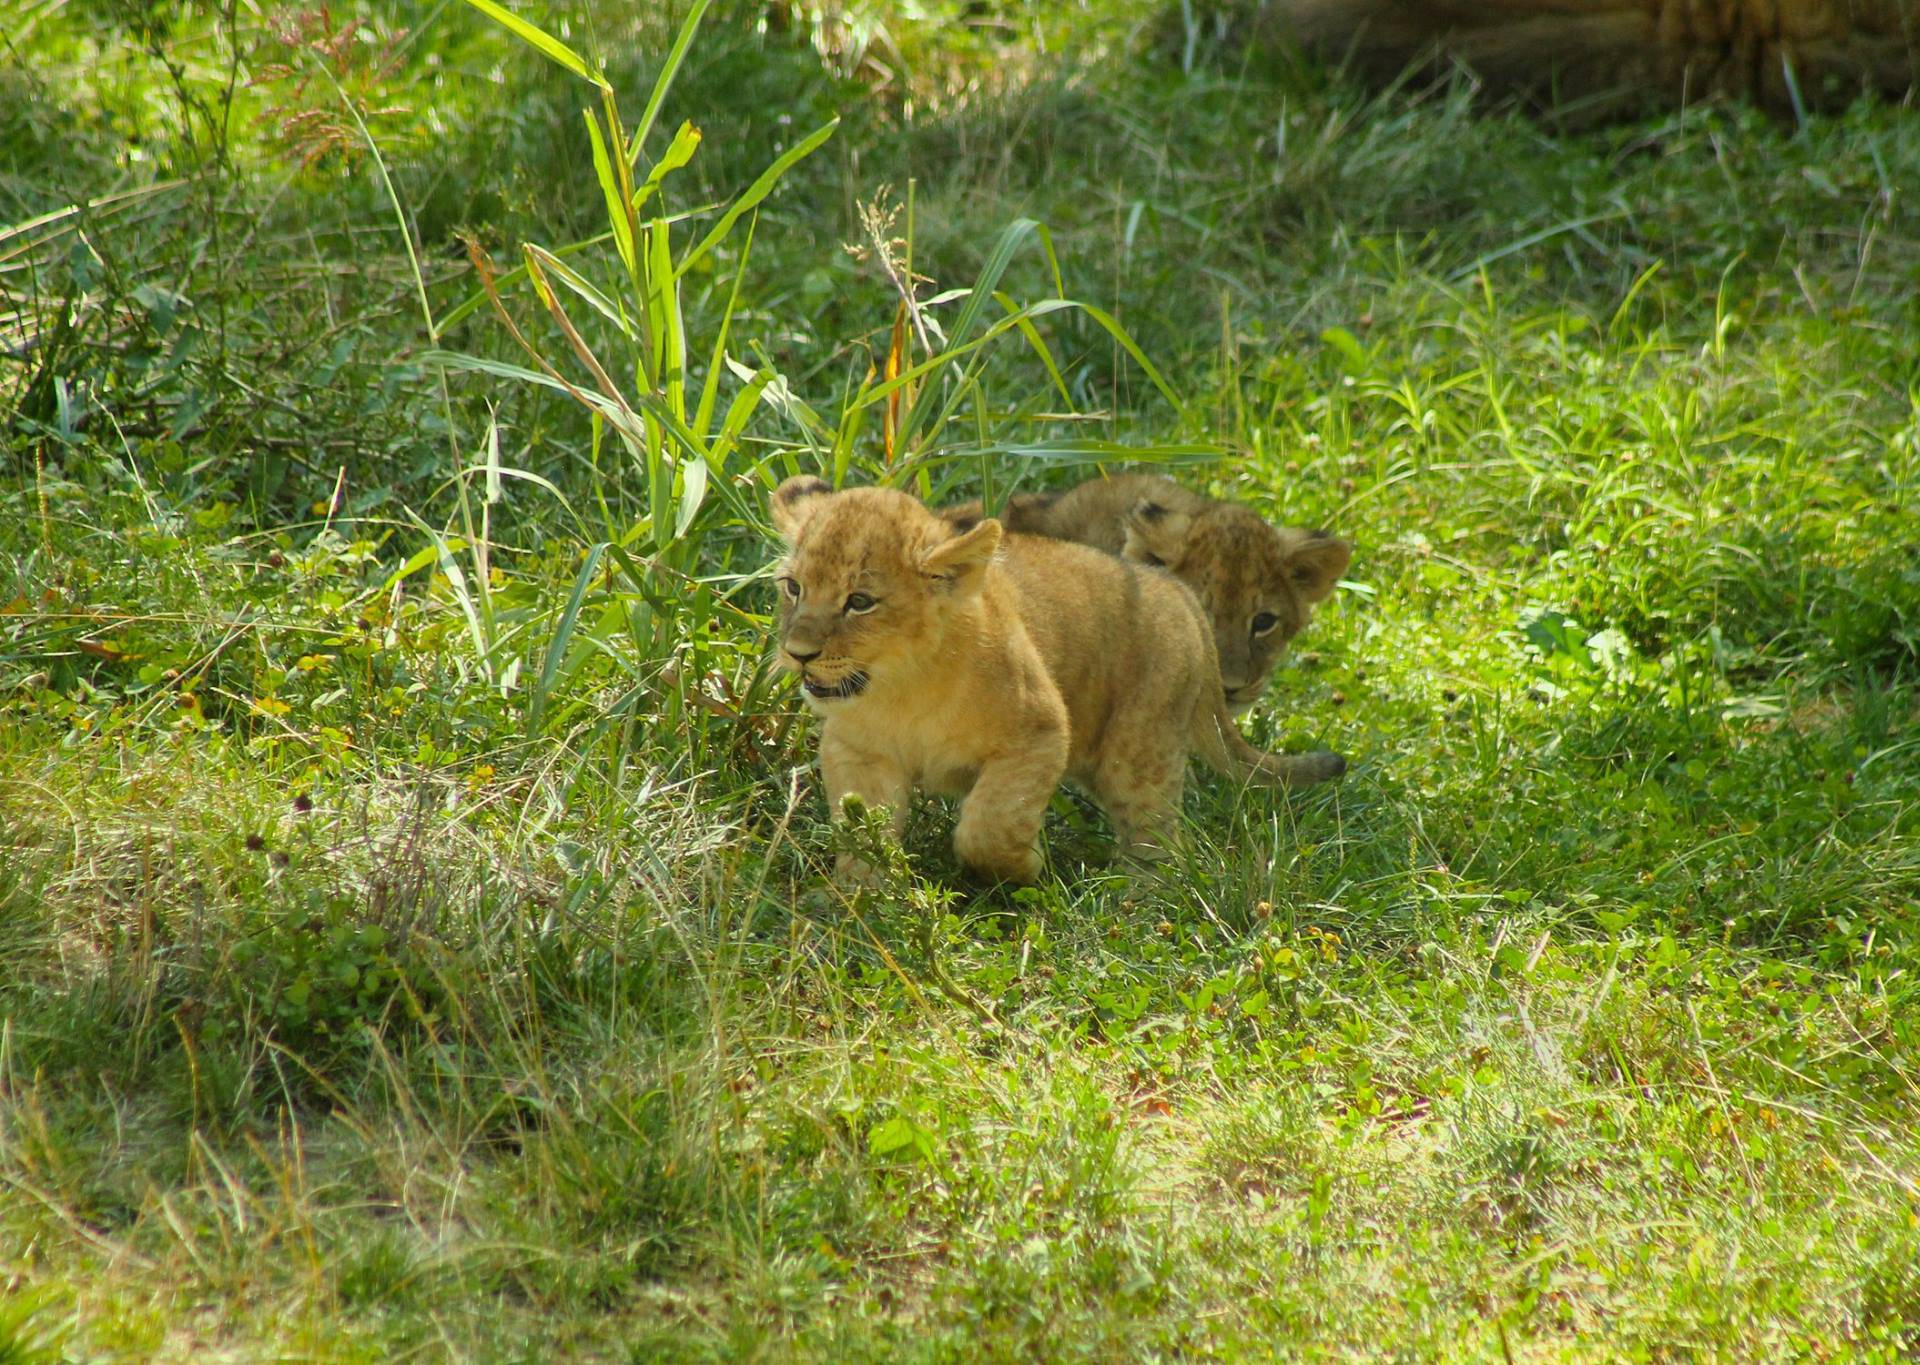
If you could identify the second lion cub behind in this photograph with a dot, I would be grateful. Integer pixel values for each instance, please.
(1257, 583)
(989, 667)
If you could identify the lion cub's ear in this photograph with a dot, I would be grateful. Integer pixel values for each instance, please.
(1156, 534)
(960, 564)
(1315, 564)
(794, 501)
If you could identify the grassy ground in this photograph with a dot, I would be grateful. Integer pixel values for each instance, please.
(412, 945)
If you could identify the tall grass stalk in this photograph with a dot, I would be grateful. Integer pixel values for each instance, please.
(688, 451)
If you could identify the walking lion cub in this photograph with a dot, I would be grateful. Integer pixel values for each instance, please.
(989, 666)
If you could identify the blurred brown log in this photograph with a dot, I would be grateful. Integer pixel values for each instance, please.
(1619, 56)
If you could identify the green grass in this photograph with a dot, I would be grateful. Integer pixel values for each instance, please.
(412, 947)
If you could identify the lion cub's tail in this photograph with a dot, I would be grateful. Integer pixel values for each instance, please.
(1219, 743)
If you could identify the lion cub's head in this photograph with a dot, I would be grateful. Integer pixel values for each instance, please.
(868, 581)
(1258, 583)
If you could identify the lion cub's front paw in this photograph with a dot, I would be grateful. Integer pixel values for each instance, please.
(998, 862)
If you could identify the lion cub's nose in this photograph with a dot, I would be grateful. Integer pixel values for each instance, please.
(802, 658)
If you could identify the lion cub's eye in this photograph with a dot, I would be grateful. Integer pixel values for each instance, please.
(1264, 622)
(859, 602)
(790, 588)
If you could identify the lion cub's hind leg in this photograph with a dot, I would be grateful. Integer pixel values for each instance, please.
(999, 830)
(1141, 768)
(1138, 784)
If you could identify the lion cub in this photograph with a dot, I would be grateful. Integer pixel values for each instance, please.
(1258, 584)
(989, 667)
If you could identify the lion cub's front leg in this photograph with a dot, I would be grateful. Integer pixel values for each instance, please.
(999, 829)
(847, 770)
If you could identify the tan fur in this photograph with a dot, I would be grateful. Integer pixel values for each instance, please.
(1596, 58)
(989, 666)
(1258, 584)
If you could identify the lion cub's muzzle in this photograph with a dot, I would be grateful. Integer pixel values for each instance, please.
(852, 685)
(812, 680)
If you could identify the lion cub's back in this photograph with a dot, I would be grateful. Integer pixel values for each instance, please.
(1095, 513)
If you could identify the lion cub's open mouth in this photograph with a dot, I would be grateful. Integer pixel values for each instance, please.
(850, 686)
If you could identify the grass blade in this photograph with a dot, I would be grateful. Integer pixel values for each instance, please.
(663, 304)
(579, 284)
(477, 300)
(686, 141)
(617, 414)
(537, 274)
(562, 636)
(710, 390)
(619, 206)
(539, 39)
(1111, 325)
(462, 594)
(664, 81)
(756, 192)
(983, 287)
(1039, 345)
(738, 413)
